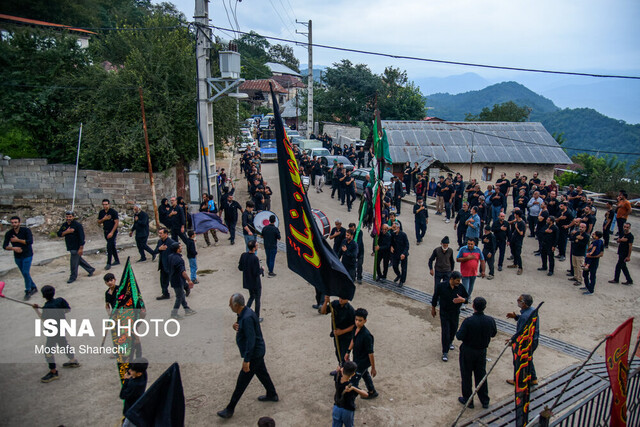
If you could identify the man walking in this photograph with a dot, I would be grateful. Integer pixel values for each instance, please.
(384, 251)
(73, 234)
(623, 211)
(500, 230)
(564, 224)
(469, 257)
(517, 237)
(19, 240)
(350, 190)
(625, 247)
(141, 228)
(318, 174)
(252, 349)
(548, 242)
(451, 295)
(421, 215)
(475, 333)
(349, 253)
(163, 248)
(108, 218)
(360, 258)
(209, 205)
(443, 256)
(397, 194)
(179, 281)
(270, 237)
(399, 254)
(249, 264)
(489, 250)
(231, 217)
(177, 220)
(525, 303)
(247, 224)
(460, 223)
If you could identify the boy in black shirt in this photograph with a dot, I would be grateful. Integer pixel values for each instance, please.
(342, 324)
(362, 346)
(344, 401)
(191, 255)
(489, 249)
(135, 383)
(110, 295)
(55, 309)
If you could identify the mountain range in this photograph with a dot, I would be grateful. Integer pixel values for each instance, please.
(584, 129)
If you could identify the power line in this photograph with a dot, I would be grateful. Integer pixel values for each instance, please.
(441, 61)
(281, 20)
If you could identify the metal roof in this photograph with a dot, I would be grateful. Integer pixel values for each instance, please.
(280, 68)
(492, 142)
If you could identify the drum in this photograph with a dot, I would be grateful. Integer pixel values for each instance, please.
(261, 220)
(305, 182)
(322, 222)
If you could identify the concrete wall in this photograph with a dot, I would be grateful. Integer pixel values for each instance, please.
(334, 130)
(27, 182)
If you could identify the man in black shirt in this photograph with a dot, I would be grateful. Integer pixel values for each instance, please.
(349, 253)
(270, 237)
(504, 185)
(249, 264)
(179, 279)
(460, 223)
(500, 229)
(343, 319)
(384, 251)
(360, 258)
(362, 346)
(515, 184)
(361, 157)
(350, 190)
(475, 333)
(406, 177)
(19, 240)
(73, 234)
(335, 180)
(141, 228)
(579, 242)
(248, 230)
(451, 295)
(163, 248)
(564, 223)
(177, 221)
(421, 216)
(548, 240)
(519, 228)
(231, 217)
(448, 193)
(108, 218)
(397, 193)
(252, 349)
(625, 247)
(399, 253)
(337, 235)
(489, 250)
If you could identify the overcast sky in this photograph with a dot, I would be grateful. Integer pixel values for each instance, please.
(572, 35)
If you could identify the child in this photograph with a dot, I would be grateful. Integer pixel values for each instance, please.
(55, 309)
(344, 401)
(191, 255)
(110, 294)
(362, 346)
(591, 262)
(135, 383)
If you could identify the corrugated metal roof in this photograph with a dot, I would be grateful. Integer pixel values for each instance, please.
(492, 142)
(282, 69)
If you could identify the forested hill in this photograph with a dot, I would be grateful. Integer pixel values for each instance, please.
(582, 127)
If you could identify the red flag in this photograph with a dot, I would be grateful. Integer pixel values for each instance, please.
(617, 357)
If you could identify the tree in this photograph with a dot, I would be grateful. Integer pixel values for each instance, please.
(506, 112)
(600, 174)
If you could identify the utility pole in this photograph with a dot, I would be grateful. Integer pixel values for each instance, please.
(309, 78)
(208, 180)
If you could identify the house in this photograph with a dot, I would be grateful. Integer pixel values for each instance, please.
(288, 79)
(480, 150)
(260, 94)
(7, 22)
(291, 114)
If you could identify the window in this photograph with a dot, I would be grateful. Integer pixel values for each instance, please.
(487, 174)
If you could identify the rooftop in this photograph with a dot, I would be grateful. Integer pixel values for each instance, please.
(281, 69)
(261, 85)
(26, 21)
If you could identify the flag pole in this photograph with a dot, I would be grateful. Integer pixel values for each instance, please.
(335, 337)
(75, 178)
(484, 380)
(146, 144)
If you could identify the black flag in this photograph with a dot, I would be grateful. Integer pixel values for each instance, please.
(162, 405)
(308, 254)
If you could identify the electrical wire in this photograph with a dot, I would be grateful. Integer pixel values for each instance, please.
(441, 61)
(282, 20)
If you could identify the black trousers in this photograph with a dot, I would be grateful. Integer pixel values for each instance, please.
(232, 230)
(439, 277)
(334, 188)
(421, 230)
(563, 236)
(366, 376)
(383, 257)
(351, 196)
(491, 260)
(181, 300)
(621, 266)
(257, 368)
(141, 243)
(402, 271)
(461, 231)
(606, 235)
(76, 260)
(533, 221)
(621, 222)
(164, 282)
(516, 251)
(589, 276)
(344, 341)
(254, 295)
(449, 327)
(54, 342)
(359, 264)
(502, 247)
(175, 233)
(341, 194)
(473, 361)
(547, 254)
(398, 204)
(351, 269)
(112, 252)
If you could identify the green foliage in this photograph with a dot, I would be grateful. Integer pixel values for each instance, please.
(12, 143)
(348, 94)
(507, 112)
(284, 55)
(256, 51)
(601, 174)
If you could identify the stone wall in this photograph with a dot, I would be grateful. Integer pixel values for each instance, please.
(30, 182)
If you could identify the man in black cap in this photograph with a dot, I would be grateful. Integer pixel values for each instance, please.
(475, 333)
(252, 349)
(178, 276)
(443, 256)
(451, 296)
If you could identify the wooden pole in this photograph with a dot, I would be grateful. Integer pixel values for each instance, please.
(146, 143)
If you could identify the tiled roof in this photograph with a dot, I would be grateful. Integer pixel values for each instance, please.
(288, 81)
(27, 21)
(262, 86)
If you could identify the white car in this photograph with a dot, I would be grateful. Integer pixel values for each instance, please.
(360, 177)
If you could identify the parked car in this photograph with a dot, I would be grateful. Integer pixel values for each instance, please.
(360, 177)
(246, 141)
(320, 152)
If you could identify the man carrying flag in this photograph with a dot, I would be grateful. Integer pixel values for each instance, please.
(617, 362)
